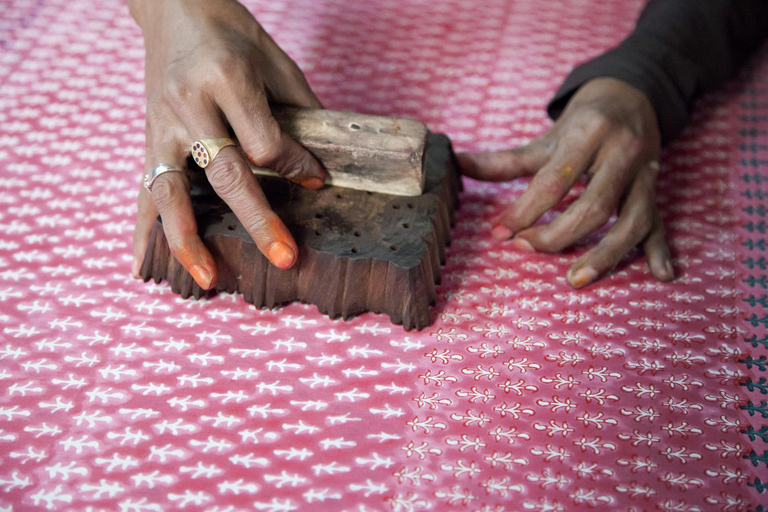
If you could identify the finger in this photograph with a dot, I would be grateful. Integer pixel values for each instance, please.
(170, 193)
(657, 251)
(287, 84)
(170, 198)
(613, 170)
(263, 141)
(571, 158)
(293, 89)
(635, 221)
(504, 165)
(233, 181)
(145, 219)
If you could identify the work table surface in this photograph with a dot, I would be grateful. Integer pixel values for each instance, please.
(523, 395)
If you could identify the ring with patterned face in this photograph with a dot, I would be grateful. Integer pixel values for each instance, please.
(205, 150)
(156, 171)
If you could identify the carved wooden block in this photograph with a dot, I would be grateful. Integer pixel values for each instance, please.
(358, 251)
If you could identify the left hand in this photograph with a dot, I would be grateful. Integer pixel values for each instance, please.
(608, 132)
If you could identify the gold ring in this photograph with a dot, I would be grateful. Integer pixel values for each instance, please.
(205, 150)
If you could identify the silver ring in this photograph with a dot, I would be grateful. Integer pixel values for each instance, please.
(156, 171)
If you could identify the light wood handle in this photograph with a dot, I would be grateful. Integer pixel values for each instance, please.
(359, 151)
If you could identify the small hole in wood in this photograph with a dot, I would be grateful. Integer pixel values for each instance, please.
(410, 205)
(338, 196)
(354, 126)
(355, 250)
(231, 227)
(317, 232)
(393, 247)
(396, 206)
(318, 215)
(357, 233)
(369, 193)
(407, 226)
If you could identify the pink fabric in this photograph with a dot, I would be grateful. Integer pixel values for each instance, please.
(523, 395)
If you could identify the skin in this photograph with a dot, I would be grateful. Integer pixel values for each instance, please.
(210, 71)
(608, 132)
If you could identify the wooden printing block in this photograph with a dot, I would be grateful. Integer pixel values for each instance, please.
(358, 251)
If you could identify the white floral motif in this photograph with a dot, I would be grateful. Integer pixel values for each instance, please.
(523, 394)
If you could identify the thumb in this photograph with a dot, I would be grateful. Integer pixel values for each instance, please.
(503, 165)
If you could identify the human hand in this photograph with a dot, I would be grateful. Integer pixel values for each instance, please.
(608, 132)
(210, 67)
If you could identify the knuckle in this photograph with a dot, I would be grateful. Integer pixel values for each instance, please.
(267, 148)
(294, 166)
(550, 186)
(175, 243)
(259, 223)
(228, 178)
(597, 212)
(225, 67)
(644, 222)
(633, 143)
(163, 130)
(176, 92)
(634, 140)
(596, 120)
(165, 194)
(652, 169)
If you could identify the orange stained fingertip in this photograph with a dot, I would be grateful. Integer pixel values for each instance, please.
(523, 245)
(312, 183)
(500, 232)
(194, 262)
(281, 255)
(202, 276)
(583, 277)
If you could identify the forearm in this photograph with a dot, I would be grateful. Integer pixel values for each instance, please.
(679, 49)
(146, 13)
(137, 9)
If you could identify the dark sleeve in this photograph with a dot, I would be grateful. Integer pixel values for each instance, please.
(678, 50)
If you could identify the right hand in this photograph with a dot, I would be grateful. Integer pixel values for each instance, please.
(610, 133)
(210, 67)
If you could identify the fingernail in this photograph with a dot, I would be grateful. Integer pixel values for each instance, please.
(583, 277)
(500, 232)
(201, 276)
(670, 269)
(312, 183)
(281, 255)
(521, 244)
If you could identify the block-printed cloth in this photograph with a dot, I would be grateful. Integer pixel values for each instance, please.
(523, 395)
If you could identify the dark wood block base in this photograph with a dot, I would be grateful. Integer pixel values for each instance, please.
(358, 251)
